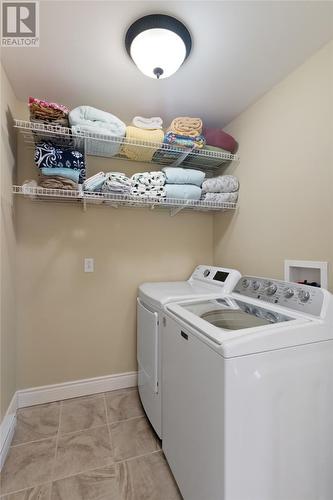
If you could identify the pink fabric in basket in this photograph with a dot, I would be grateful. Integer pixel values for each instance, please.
(220, 139)
(46, 104)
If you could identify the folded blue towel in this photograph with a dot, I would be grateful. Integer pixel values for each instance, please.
(74, 175)
(183, 191)
(178, 175)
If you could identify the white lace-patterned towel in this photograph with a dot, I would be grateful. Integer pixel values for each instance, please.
(147, 123)
(221, 184)
(142, 191)
(117, 182)
(149, 178)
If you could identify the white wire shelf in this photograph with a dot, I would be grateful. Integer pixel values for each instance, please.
(105, 146)
(115, 200)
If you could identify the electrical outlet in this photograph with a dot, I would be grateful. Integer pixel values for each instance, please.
(88, 265)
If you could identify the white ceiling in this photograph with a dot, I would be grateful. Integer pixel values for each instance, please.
(240, 50)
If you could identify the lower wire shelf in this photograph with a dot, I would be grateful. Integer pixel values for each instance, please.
(85, 198)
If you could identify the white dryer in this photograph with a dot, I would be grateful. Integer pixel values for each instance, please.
(205, 282)
(248, 393)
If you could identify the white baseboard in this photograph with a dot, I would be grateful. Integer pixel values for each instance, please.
(7, 428)
(57, 392)
(67, 390)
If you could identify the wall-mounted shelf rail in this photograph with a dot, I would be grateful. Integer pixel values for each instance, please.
(85, 198)
(106, 146)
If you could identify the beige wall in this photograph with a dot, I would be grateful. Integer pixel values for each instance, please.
(286, 175)
(74, 325)
(8, 246)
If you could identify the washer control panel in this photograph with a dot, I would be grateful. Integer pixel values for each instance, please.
(220, 276)
(295, 296)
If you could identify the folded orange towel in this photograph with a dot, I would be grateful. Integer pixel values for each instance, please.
(185, 125)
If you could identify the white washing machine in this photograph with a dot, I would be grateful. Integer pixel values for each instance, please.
(248, 393)
(205, 281)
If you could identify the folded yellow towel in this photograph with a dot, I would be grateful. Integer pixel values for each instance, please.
(185, 125)
(140, 153)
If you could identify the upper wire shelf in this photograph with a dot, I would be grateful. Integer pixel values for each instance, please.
(38, 193)
(106, 146)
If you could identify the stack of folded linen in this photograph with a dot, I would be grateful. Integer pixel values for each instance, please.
(53, 162)
(141, 134)
(221, 189)
(185, 132)
(48, 112)
(217, 138)
(94, 121)
(110, 182)
(117, 183)
(148, 185)
(183, 183)
(57, 182)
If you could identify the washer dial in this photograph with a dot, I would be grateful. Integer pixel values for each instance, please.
(206, 273)
(271, 289)
(303, 295)
(255, 285)
(245, 283)
(289, 292)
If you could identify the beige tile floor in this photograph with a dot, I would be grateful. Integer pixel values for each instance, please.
(99, 447)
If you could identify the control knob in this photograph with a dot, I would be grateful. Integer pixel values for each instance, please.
(271, 289)
(206, 273)
(289, 293)
(255, 285)
(303, 295)
(245, 283)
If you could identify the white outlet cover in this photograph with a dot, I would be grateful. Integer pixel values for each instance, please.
(88, 265)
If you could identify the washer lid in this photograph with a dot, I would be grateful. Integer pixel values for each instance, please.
(236, 328)
(235, 314)
(159, 294)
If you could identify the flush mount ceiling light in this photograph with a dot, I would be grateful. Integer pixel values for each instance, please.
(158, 45)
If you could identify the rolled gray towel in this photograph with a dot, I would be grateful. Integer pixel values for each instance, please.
(221, 184)
(221, 197)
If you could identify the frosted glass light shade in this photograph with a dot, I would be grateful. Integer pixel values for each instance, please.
(158, 49)
(158, 45)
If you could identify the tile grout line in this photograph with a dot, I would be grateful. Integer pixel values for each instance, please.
(108, 427)
(129, 459)
(126, 419)
(60, 435)
(55, 451)
(54, 436)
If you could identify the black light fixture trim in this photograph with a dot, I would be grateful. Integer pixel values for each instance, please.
(159, 21)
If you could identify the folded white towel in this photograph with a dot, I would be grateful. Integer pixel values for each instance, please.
(147, 123)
